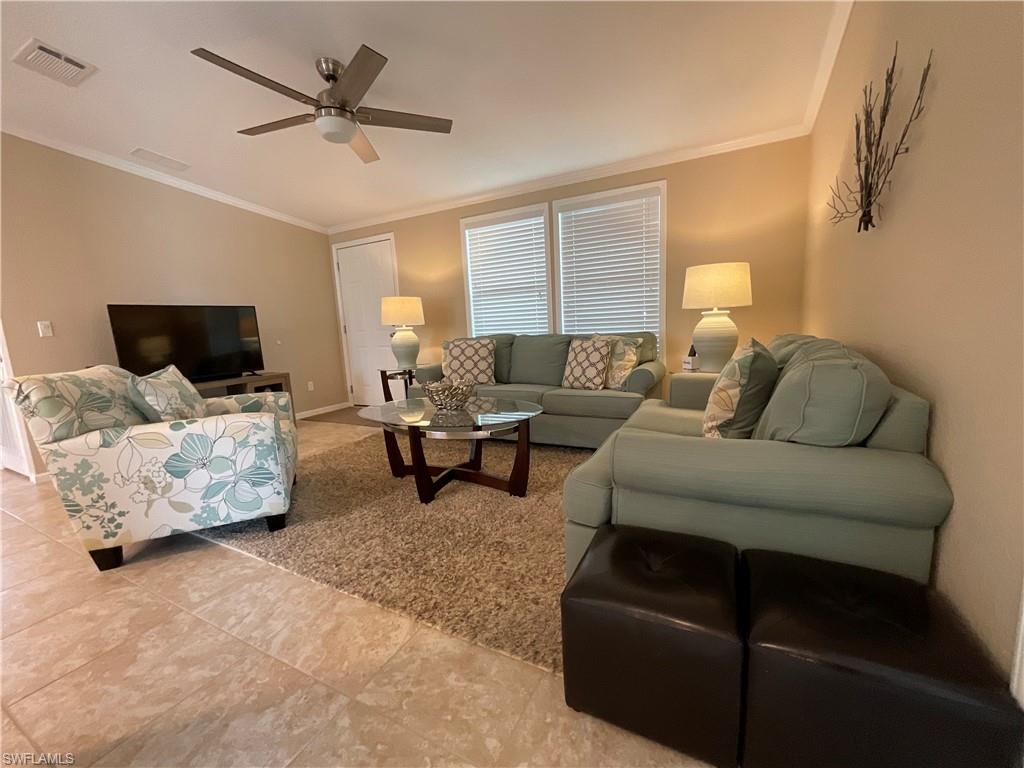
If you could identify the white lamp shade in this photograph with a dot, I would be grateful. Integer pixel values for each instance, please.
(717, 285)
(401, 310)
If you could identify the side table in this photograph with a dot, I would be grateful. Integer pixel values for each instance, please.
(387, 375)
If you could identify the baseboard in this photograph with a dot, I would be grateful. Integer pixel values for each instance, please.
(33, 477)
(325, 409)
(30, 475)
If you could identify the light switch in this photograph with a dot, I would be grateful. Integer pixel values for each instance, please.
(45, 328)
(309, 386)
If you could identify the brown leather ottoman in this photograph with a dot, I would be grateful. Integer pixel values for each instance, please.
(854, 667)
(650, 639)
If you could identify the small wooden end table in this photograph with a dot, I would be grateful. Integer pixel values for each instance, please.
(387, 375)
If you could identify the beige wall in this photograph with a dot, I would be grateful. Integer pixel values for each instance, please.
(748, 205)
(78, 235)
(934, 294)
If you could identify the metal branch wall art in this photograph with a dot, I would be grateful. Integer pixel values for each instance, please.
(875, 156)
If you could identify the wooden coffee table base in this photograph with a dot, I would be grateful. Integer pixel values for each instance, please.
(431, 478)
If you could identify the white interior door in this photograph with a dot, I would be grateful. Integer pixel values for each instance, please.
(366, 272)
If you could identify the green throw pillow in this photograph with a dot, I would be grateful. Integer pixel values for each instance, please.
(827, 395)
(539, 359)
(166, 395)
(783, 347)
(741, 392)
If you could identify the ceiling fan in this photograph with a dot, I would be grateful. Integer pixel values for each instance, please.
(336, 110)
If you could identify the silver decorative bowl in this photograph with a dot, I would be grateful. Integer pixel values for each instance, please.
(448, 395)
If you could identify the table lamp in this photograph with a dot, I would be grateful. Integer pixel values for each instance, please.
(403, 312)
(711, 287)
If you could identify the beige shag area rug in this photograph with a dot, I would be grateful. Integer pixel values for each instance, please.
(476, 562)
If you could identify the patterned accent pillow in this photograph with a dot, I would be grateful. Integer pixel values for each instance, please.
(468, 360)
(624, 356)
(57, 406)
(741, 392)
(587, 364)
(166, 395)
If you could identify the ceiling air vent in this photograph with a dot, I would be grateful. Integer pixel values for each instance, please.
(54, 64)
(155, 158)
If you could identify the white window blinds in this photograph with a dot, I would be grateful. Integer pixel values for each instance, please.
(610, 262)
(507, 286)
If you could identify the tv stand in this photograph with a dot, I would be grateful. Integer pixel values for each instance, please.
(246, 384)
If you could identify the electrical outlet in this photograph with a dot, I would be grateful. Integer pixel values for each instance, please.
(45, 328)
(309, 386)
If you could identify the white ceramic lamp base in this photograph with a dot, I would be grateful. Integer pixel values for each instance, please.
(406, 347)
(715, 339)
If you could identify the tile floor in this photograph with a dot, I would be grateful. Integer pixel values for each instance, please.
(195, 654)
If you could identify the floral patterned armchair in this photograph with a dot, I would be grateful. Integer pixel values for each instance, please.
(123, 480)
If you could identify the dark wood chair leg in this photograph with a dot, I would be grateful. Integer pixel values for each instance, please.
(105, 559)
(420, 470)
(275, 522)
(520, 476)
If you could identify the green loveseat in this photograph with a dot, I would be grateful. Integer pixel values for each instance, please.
(875, 502)
(528, 367)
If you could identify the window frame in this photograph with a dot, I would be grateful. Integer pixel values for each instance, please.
(503, 217)
(632, 192)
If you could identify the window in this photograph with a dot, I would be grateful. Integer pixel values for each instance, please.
(608, 272)
(506, 264)
(610, 261)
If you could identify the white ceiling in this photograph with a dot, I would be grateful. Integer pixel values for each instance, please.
(536, 90)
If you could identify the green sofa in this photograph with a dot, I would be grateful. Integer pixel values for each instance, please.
(875, 502)
(530, 367)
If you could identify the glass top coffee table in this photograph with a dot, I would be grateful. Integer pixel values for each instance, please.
(479, 419)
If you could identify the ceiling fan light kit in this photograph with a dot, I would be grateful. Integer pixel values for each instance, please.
(337, 113)
(335, 126)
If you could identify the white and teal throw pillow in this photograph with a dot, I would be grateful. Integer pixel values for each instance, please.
(741, 392)
(57, 406)
(166, 395)
(623, 359)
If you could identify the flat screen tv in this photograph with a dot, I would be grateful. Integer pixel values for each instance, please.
(203, 342)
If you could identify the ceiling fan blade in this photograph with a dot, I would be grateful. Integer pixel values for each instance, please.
(388, 119)
(277, 125)
(362, 147)
(255, 77)
(357, 77)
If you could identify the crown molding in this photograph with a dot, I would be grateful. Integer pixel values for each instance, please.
(574, 177)
(829, 54)
(161, 178)
(830, 50)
